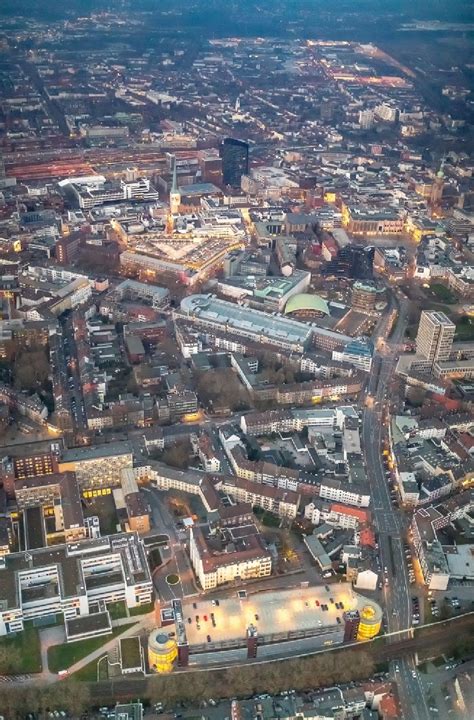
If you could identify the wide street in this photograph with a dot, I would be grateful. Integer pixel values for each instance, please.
(389, 521)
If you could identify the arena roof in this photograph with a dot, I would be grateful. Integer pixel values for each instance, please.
(305, 301)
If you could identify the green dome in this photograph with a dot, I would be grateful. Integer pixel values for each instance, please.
(305, 301)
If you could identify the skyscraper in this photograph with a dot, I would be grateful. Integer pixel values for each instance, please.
(235, 161)
(435, 336)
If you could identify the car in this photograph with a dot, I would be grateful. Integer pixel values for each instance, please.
(190, 620)
(331, 600)
(397, 668)
(197, 618)
(213, 602)
(413, 673)
(256, 616)
(205, 618)
(317, 603)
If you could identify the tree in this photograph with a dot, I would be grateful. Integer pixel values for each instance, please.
(221, 389)
(31, 369)
(179, 454)
(9, 659)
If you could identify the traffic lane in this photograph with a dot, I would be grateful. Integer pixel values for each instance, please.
(164, 591)
(412, 694)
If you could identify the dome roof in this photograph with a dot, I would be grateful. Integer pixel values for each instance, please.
(305, 301)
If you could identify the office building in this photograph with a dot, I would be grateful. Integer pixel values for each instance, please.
(68, 579)
(435, 336)
(235, 161)
(365, 296)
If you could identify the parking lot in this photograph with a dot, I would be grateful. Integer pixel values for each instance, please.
(284, 611)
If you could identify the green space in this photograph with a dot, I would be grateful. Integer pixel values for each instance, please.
(266, 517)
(130, 651)
(172, 579)
(117, 610)
(94, 671)
(61, 657)
(141, 609)
(89, 672)
(465, 329)
(104, 508)
(443, 293)
(21, 654)
(154, 558)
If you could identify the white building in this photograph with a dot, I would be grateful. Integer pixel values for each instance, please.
(344, 493)
(66, 579)
(250, 559)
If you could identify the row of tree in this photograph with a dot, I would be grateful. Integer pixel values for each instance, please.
(17, 702)
(298, 674)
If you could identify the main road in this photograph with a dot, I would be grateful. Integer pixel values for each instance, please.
(389, 521)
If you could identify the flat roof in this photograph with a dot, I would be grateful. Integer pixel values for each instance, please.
(461, 561)
(236, 317)
(88, 624)
(96, 451)
(279, 611)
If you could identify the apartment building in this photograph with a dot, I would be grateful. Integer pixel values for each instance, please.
(429, 549)
(97, 466)
(284, 503)
(235, 553)
(345, 517)
(344, 492)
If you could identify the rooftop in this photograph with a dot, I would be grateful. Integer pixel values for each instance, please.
(306, 301)
(271, 612)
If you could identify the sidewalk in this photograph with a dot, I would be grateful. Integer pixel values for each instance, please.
(146, 623)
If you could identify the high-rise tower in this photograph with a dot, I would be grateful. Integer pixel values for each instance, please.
(435, 336)
(235, 161)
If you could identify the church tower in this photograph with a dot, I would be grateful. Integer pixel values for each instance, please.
(437, 187)
(175, 195)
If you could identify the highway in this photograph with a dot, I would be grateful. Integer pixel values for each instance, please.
(389, 521)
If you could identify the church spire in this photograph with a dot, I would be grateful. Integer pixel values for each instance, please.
(174, 184)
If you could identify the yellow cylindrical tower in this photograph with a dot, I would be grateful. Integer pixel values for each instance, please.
(162, 652)
(370, 622)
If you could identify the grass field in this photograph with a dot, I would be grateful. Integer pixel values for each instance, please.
(89, 672)
(442, 293)
(117, 610)
(25, 656)
(61, 657)
(465, 329)
(141, 609)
